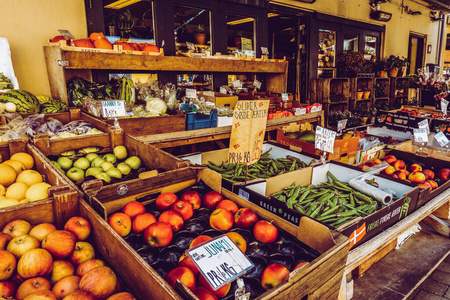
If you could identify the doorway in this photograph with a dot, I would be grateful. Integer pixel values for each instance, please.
(416, 55)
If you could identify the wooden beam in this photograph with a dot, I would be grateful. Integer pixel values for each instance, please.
(437, 224)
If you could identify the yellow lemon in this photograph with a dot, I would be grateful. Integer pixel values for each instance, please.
(38, 191)
(2, 190)
(7, 175)
(5, 202)
(17, 191)
(24, 158)
(17, 165)
(29, 177)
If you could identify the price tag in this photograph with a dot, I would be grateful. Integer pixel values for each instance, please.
(342, 124)
(264, 51)
(191, 93)
(66, 34)
(222, 90)
(441, 139)
(190, 46)
(444, 105)
(325, 139)
(220, 261)
(257, 84)
(420, 135)
(300, 111)
(424, 124)
(113, 108)
(237, 84)
(285, 96)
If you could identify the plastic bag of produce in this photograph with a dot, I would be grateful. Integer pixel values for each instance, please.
(15, 129)
(54, 125)
(78, 127)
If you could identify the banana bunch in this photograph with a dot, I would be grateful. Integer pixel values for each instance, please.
(5, 83)
(125, 90)
(126, 21)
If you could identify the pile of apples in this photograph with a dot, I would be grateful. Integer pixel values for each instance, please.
(423, 177)
(43, 263)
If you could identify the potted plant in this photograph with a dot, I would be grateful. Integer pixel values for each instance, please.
(363, 113)
(405, 63)
(380, 68)
(349, 63)
(359, 94)
(380, 89)
(200, 34)
(366, 94)
(393, 64)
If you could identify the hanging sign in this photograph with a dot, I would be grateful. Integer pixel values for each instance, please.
(220, 261)
(325, 139)
(264, 51)
(444, 105)
(441, 138)
(342, 124)
(257, 84)
(113, 108)
(247, 131)
(191, 93)
(420, 135)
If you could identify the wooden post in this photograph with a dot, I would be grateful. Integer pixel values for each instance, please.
(65, 206)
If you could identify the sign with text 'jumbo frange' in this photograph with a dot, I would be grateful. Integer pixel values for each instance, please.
(247, 132)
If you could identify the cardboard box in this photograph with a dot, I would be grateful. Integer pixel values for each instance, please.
(429, 151)
(400, 121)
(219, 99)
(366, 155)
(344, 149)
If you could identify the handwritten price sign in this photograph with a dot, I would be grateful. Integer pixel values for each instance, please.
(325, 139)
(113, 108)
(420, 135)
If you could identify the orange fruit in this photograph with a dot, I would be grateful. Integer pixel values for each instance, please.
(125, 46)
(150, 48)
(96, 36)
(102, 44)
(86, 43)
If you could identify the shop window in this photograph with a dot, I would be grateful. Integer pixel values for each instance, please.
(370, 46)
(240, 34)
(129, 19)
(200, 82)
(192, 28)
(327, 53)
(351, 42)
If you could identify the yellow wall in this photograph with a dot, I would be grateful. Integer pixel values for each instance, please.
(397, 29)
(28, 24)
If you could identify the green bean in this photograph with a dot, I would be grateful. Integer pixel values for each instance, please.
(330, 211)
(315, 212)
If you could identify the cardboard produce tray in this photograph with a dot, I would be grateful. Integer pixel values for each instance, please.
(318, 279)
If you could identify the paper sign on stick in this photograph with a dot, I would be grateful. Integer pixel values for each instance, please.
(248, 130)
(113, 108)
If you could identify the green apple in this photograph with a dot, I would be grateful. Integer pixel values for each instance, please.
(120, 152)
(103, 176)
(114, 173)
(124, 168)
(56, 164)
(106, 165)
(110, 157)
(134, 162)
(82, 163)
(97, 162)
(93, 170)
(75, 173)
(91, 156)
(65, 163)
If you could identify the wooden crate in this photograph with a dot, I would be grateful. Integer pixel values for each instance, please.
(363, 84)
(322, 90)
(319, 279)
(327, 108)
(106, 140)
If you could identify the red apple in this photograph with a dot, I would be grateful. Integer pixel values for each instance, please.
(273, 275)
(415, 168)
(7, 289)
(133, 208)
(158, 234)
(17, 279)
(17, 228)
(22, 244)
(220, 292)
(199, 240)
(245, 218)
(433, 183)
(301, 264)
(228, 205)
(444, 174)
(238, 240)
(193, 197)
(88, 265)
(165, 200)
(101, 282)
(80, 227)
(36, 262)
(121, 223)
(185, 275)
(389, 170)
(400, 174)
(142, 221)
(399, 165)
(32, 285)
(184, 208)
(417, 177)
(174, 219)
(40, 231)
(428, 174)
(66, 286)
(186, 261)
(265, 232)
(121, 296)
(61, 268)
(425, 184)
(390, 159)
(203, 294)
(60, 243)
(83, 251)
(211, 199)
(221, 219)
(8, 265)
(41, 295)
(80, 295)
(4, 240)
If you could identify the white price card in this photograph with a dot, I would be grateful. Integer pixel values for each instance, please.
(424, 124)
(264, 51)
(420, 135)
(325, 139)
(444, 106)
(191, 93)
(257, 84)
(220, 261)
(190, 46)
(66, 34)
(237, 84)
(113, 108)
(285, 96)
(441, 138)
(222, 90)
(300, 111)
(342, 124)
